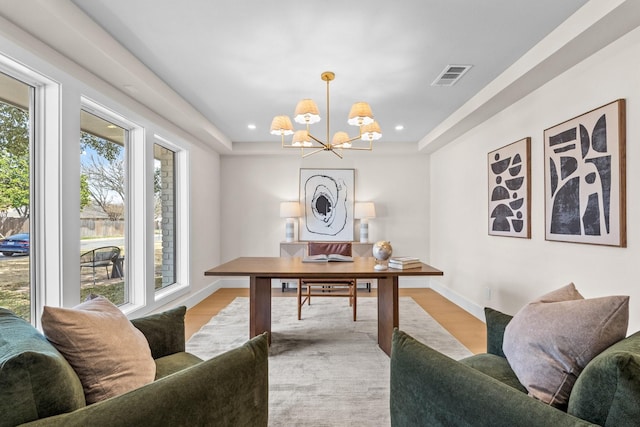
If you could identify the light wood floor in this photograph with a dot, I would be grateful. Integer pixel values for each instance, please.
(466, 328)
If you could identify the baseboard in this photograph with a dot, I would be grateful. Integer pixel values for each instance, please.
(469, 306)
(194, 299)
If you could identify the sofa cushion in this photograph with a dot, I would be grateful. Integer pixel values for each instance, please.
(550, 340)
(35, 379)
(107, 352)
(608, 390)
(496, 367)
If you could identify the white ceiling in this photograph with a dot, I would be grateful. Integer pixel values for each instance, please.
(240, 62)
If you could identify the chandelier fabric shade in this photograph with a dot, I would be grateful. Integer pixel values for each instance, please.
(360, 114)
(307, 113)
(301, 139)
(281, 125)
(371, 131)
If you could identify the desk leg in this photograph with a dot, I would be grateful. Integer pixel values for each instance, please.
(387, 311)
(259, 306)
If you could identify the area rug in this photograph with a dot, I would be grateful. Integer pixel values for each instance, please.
(326, 369)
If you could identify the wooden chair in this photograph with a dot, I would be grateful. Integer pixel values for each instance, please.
(327, 287)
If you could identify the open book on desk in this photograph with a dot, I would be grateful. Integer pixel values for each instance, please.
(327, 258)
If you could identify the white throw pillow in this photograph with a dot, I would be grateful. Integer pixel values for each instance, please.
(550, 340)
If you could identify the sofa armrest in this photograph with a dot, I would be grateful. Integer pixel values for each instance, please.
(431, 389)
(164, 331)
(229, 389)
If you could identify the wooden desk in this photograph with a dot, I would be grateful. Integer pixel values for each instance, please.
(262, 269)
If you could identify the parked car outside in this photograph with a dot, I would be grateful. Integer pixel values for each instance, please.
(16, 244)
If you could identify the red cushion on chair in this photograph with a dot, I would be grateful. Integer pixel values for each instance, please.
(320, 248)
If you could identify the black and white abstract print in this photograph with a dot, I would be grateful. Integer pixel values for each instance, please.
(583, 178)
(326, 196)
(509, 190)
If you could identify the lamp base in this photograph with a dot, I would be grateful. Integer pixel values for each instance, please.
(380, 267)
(288, 231)
(364, 232)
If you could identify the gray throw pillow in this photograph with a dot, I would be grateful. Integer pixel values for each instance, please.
(550, 340)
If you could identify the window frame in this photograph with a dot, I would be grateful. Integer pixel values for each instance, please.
(46, 259)
(182, 228)
(135, 205)
(54, 216)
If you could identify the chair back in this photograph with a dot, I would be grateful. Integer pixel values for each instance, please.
(326, 248)
(99, 255)
(107, 253)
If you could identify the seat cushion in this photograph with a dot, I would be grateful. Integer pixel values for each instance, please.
(173, 363)
(550, 340)
(608, 390)
(107, 352)
(496, 367)
(35, 379)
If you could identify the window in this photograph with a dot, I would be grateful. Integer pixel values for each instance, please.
(102, 208)
(164, 189)
(16, 136)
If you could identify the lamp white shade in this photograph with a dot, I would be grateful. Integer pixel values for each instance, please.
(289, 210)
(363, 210)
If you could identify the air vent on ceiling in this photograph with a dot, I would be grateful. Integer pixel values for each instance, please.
(450, 75)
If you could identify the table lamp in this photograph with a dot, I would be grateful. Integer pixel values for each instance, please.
(290, 211)
(363, 211)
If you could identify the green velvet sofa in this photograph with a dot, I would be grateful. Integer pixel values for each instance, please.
(38, 386)
(430, 389)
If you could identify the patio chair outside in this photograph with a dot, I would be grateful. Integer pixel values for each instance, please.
(100, 257)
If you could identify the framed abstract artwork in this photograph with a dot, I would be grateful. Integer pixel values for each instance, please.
(510, 190)
(585, 178)
(326, 201)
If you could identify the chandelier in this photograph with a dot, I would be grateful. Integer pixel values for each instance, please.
(306, 113)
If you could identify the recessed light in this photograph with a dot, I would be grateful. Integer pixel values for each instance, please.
(399, 127)
(251, 126)
(112, 126)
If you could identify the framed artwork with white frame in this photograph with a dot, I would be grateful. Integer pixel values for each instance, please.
(326, 202)
(585, 178)
(510, 190)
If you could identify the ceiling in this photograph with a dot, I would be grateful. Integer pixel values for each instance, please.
(239, 63)
(242, 62)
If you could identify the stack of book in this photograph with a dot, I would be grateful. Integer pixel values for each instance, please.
(404, 262)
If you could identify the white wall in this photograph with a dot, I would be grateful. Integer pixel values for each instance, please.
(518, 270)
(254, 186)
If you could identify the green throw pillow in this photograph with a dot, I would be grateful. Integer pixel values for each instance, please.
(496, 324)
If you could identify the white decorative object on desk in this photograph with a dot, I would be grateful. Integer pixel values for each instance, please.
(289, 210)
(382, 252)
(363, 211)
